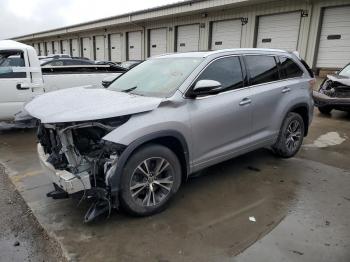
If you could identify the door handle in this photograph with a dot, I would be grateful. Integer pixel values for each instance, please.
(22, 87)
(245, 101)
(285, 90)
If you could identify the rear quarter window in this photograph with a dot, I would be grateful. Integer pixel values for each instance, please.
(289, 69)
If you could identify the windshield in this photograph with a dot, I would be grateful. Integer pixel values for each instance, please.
(156, 77)
(345, 71)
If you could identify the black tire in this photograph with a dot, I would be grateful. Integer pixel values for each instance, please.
(282, 146)
(325, 110)
(134, 176)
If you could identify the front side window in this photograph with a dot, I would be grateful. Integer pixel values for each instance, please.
(289, 68)
(262, 69)
(11, 64)
(158, 77)
(227, 71)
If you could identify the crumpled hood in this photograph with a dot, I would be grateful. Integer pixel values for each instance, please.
(341, 79)
(81, 104)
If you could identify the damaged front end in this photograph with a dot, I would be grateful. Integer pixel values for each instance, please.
(334, 93)
(80, 162)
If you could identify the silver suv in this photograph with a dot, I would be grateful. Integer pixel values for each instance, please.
(133, 144)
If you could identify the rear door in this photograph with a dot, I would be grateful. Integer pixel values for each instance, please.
(221, 123)
(266, 94)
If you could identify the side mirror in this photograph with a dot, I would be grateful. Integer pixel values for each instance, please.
(336, 72)
(106, 83)
(206, 87)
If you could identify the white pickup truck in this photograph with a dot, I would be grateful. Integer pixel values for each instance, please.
(22, 78)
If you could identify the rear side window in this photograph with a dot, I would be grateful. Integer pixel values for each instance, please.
(289, 68)
(227, 71)
(262, 69)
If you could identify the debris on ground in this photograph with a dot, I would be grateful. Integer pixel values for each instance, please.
(254, 168)
(297, 252)
(252, 219)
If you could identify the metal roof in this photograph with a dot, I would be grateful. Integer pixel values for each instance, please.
(193, 6)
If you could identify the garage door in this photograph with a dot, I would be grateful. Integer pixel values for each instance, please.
(226, 34)
(100, 48)
(86, 47)
(116, 47)
(42, 48)
(279, 31)
(37, 49)
(57, 48)
(75, 47)
(134, 45)
(65, 47)
(334, 43)
(157, 41)
(187, 38)
(49, 48)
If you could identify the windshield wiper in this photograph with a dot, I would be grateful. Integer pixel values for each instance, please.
(129, 90)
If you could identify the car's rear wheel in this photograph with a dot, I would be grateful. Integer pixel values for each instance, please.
(151, 177)
(290, 137)
(325, 110)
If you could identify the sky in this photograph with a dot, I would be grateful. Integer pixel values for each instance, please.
(20, 17)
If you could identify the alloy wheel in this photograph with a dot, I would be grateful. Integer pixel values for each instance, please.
(293, 135)
(151, 181)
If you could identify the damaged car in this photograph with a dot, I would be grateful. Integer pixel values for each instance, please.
(133, 144)
(334, 92)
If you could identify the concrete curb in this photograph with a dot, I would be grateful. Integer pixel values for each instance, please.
(53, 237)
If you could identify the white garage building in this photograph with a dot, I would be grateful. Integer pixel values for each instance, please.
(318, 29)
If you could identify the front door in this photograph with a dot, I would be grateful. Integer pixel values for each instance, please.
(221, 123)
(16, 87)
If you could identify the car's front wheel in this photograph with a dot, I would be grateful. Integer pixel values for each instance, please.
(290, 137)
(151, 177)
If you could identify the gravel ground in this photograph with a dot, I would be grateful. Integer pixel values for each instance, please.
(21, 237)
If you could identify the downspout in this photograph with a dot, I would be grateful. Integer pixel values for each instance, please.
(144, 35)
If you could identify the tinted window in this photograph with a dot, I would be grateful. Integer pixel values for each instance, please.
(262, 69)
(289, 68)
(227, 71)
(11, 64)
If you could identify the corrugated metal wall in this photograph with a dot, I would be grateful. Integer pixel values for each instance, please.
(182, 15)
